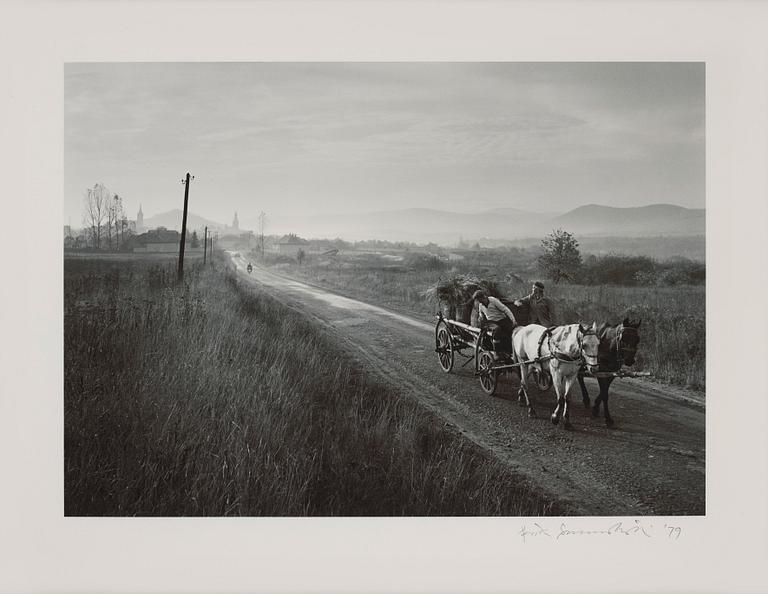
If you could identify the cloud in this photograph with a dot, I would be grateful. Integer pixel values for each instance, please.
(385, 129)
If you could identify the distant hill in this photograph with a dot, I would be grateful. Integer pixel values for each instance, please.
(419, 225)
(172, 220)
(423, 225)
(652, 220)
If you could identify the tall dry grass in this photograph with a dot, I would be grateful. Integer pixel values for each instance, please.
(209, 399)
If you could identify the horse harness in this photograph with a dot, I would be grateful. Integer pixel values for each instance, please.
(547, 334)
(620, 348)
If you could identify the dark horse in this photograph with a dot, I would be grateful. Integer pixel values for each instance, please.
(618, 346)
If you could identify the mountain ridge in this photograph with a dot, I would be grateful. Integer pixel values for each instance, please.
(171, 219)
(441, 226)
(424, 225)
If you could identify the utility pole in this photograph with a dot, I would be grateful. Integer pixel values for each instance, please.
(262, 218)
(205, 244)
(184, 226)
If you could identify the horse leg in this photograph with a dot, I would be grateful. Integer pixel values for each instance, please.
(598, 400)
(557, 383)
(584, 393)
(596, 405)
(522, 393)
(567, 398)
(605, 383)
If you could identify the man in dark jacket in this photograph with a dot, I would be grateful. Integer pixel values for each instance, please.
(541, 309)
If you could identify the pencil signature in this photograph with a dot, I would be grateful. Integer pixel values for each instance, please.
(636, 528)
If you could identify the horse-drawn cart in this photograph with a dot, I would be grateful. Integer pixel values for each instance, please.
(456, 338)
(457, 332)
(474, 344)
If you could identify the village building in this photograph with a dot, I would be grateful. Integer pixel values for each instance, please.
(290, 245)
(74, 239)
(158, 240)
(241, 241)
(139, 222)
(163, 240)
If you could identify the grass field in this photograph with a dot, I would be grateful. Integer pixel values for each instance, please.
(673, 329)
(206, 399)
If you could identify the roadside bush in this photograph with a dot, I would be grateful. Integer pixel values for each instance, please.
(682, 271)
(629, 271)
(425, 262)
(616, 269)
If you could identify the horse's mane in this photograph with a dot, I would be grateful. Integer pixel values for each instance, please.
(602, 327)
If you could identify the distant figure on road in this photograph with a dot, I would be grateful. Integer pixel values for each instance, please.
(502, 318)
(250, 268)
(541, 309)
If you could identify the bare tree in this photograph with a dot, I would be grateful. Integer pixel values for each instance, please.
(123, 227)
(114, 214)
(95, 207)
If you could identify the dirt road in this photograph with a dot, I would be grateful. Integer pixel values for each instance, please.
(650, 463)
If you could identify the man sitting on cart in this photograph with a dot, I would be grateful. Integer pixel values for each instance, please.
(500, 317)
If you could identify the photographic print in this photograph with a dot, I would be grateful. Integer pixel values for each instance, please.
(384, 289)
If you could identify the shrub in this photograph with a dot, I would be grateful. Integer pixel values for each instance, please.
(623, 270)
(425, 262)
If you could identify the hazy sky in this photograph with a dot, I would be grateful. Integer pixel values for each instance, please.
(336, 137)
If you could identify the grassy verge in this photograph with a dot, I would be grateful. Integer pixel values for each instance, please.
(673, 329)
(209, 399)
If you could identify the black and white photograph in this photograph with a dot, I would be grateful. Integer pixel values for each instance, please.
(334, 296)
(391, 289)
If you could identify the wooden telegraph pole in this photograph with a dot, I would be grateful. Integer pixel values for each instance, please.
(262, 217)
(184, 226)
(205, 244)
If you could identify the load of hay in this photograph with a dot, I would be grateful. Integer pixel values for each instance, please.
(454, 297)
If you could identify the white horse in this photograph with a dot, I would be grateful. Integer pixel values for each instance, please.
(561, 350)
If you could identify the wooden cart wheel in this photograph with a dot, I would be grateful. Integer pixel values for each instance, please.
(445, 353)
(489, 377)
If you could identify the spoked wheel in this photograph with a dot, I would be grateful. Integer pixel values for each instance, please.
(445, 352)
(489, 377)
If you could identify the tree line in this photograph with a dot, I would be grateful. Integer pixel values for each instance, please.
(104, 217)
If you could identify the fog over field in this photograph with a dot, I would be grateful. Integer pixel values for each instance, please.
(499, 149)
(447, 228)
(659, 231)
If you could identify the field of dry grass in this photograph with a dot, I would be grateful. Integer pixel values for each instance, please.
(208, 399)
(673, 329)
